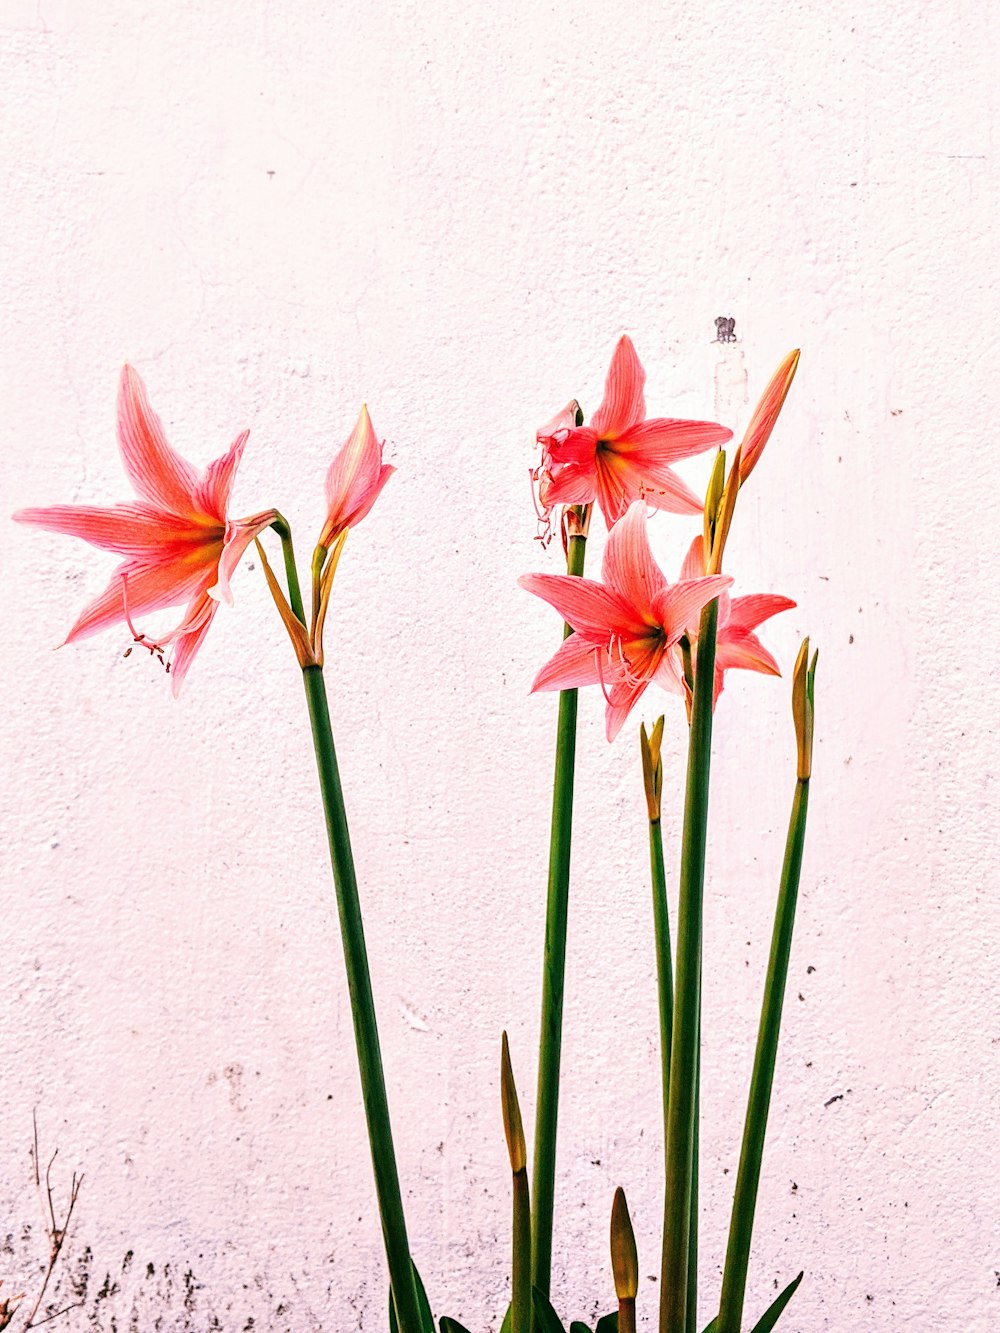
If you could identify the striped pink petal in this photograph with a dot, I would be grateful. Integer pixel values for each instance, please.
(575, 664)
(355, 480)
(594, 611)
(148, 588)
(239, 534)
(628, 567)
(745, 650)
(154, 467)
(746, 613)
(679, 605)
(623, 404)
(665, 440)
(215, 487)
(762, 423)
(135, 530)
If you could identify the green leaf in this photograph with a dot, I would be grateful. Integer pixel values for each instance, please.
(608, 1323)
(578, 1326)
(423, 1306)
(451, 1326)
(546, 1317)
(765, 1324)
(505, 1326)
(713, 1325)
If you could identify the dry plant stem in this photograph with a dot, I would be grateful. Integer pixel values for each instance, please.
(56, 1233)
(679, 1213)
(553, 978)
(626, 1316)
(748, 1176)
(390, 1201)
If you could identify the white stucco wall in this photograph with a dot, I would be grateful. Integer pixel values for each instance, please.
(452, 211)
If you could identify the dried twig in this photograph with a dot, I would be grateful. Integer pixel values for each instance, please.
(56, 1233)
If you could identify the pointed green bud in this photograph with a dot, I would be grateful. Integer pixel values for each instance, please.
(624, 1260)
(803, 708)
(713, 495)
(652, 766)
(512, 1127)
(724, 517)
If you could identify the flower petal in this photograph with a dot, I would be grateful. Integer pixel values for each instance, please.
(621, 700)
(758, 432)
(564, 420)
(354, 480)
(594, 611)
(136, 530)
(216, 485)
(665, 440)
(239, 534)
(629, 568)
(571, 446)
(681, 603)
(155, 469)
(746, 651)
(623, 403)
(746, 613)
(188, 643)
(566, 484)
(575, 664)
(149, 588)
(694, 562)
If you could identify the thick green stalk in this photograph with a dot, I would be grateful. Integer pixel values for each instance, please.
(692, 1300)
(553, 978)
(683, 1107)
(390, 1202)
(755, 1127)
(280, 525)
(664, 961)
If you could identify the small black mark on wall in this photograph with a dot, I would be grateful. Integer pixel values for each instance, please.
(725, 329)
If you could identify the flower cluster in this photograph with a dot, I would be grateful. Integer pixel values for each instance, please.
(634, 627)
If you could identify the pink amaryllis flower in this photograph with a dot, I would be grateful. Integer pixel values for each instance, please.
(628, 626)
(622, 456)
(736, 644)
(178, 543)
(354, 480)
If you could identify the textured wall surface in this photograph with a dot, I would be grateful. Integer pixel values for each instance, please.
(451, 211)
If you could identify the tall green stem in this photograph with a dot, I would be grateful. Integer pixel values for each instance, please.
(553, 978)
(664, 961)
(683, 1099)
(390, 1202)
(755, 1127)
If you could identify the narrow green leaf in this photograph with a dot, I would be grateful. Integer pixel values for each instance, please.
(507, 1320)
(773, 1314)
(608, 1323)
(423, 1304)
(545, 1316)
(713, 1325)
(578, 1326)
(452, 1326)
(393, 1323)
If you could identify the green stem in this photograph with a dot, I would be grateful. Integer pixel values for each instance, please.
(520, 1276)
(280, 525)
(390, 1202)
(664, 961)
(550, 1040)
(692, 1270)
(683, 1100)
(755, 1127)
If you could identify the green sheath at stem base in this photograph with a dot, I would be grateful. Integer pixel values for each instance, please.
(390, 1203)
(550, 1040)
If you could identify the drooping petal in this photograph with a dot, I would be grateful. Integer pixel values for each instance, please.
(215, 487)
(661, 487)
(670, 672)
(187, 644)
(575, 664)
(148, 588)
(623, 403)
(155, 468)
(136, 530)
(239, 534)
(758, 432)
(616, 487)
(595, 612)
(628, 567)
(568, 484)
(665, 440)
(621, 700)
(679, 605)
(571, 446)
(745, 650)
(746, 613)
(564, 420)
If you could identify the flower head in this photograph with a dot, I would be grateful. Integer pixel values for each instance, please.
(627, 626)
(354, 481)
(178, 543)
(736, 644)
(622, 456)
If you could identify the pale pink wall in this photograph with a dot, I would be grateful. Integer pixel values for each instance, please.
(452, 211)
